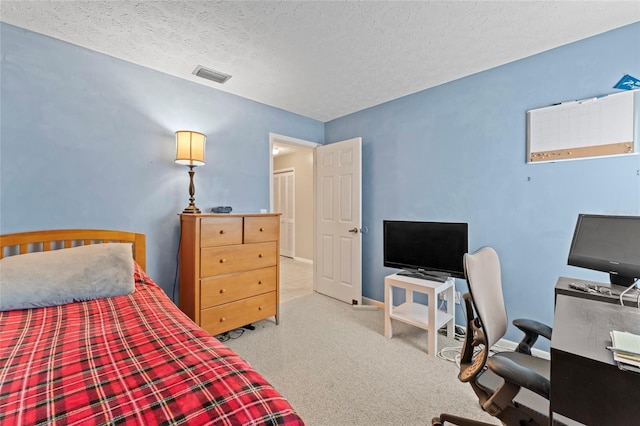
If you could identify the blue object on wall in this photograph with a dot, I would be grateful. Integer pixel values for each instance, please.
(627, 82)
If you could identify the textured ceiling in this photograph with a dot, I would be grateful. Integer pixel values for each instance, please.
(321, 59)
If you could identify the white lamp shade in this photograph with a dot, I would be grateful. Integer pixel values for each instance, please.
(190, 148)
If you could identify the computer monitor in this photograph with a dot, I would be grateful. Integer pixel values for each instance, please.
(430, 249)
(609, 244)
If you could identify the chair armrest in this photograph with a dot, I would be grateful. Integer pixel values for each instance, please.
(533, 326)
(531, 329)
(516, 374)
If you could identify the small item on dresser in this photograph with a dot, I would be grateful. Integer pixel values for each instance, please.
(221, 209)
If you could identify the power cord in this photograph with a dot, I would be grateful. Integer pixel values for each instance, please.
(452, 353)
(444, 354)
(629, 289)
(233, 334)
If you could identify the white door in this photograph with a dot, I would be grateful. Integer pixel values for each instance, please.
(284, 202)
(338, 220)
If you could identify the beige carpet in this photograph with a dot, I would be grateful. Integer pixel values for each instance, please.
(335, 367)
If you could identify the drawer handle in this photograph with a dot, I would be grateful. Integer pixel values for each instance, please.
(223, 319)
(259, 308)
(222, 260)
(261, 229)
(221, 231)
(260, 255)
(259, 281)
(222, 290)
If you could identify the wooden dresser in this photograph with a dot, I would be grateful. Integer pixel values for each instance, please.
(229, 269)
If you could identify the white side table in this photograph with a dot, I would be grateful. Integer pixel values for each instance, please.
(428, 317)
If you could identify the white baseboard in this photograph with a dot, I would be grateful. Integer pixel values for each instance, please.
(302, 259)
(373, 302)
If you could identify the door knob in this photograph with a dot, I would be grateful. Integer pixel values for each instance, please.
(354, 230)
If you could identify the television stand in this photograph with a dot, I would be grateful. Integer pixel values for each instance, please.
(423, 276)
(428, 317)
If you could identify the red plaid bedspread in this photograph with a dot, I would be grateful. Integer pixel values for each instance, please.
(132, 359)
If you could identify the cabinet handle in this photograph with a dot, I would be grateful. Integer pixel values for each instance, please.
(221, 231)
(261, 229)
(223, 319)
(260, 255)
(222, 260)
(222, 290)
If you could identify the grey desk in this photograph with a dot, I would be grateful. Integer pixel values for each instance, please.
(586, 385)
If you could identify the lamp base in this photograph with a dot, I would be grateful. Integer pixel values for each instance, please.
(191, 210)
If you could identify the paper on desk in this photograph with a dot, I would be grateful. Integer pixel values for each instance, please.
(626, 341)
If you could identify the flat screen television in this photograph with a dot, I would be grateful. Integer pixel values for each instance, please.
(608, 244)
(430, 250)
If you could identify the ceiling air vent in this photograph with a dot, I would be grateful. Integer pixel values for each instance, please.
(209, 74)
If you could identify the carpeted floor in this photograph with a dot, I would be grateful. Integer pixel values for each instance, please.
(335, 366)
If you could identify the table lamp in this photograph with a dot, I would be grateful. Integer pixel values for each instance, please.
(190, 152)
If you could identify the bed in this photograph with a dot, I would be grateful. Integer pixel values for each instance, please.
(130, 358)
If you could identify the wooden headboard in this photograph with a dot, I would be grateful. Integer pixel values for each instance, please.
(28, 242)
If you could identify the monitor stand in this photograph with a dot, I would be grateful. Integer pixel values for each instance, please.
(621, 280)
(424, 276)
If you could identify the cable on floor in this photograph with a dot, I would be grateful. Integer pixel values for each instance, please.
(452, 353)
(228, 335)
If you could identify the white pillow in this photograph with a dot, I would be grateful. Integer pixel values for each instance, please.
(68, 275)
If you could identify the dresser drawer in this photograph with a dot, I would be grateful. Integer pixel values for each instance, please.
(236, 314)
(227, 288)
(258, 229)
(227, 259)
(220, 231)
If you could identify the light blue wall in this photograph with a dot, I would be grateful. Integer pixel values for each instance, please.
(457, 153)
(87, 140)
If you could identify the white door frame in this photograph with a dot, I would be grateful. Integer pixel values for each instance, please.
(288, 140)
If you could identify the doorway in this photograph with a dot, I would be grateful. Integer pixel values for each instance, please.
(284, 202)
(292, 171)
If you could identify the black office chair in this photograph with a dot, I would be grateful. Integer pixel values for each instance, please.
(512, 386)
